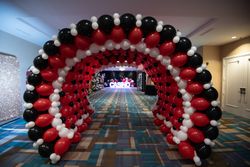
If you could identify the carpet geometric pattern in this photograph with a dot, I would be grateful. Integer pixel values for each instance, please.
(123, 134)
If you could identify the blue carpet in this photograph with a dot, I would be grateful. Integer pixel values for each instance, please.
(123, 134)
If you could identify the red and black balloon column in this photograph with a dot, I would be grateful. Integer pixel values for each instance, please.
(57, 107)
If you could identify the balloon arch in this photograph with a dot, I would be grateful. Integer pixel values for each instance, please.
(57, 107)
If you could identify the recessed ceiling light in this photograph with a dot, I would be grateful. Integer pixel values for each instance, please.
(234, 37)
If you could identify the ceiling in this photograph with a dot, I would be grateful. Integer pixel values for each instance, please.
(211, 22)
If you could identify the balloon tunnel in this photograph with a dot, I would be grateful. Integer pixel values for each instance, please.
(57, 109)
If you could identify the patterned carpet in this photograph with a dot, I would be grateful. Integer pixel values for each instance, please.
(123, 134)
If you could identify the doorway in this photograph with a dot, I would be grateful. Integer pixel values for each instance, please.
(236, 85)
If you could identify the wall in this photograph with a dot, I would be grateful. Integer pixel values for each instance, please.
(213, 55)
(23, 50)
(236, 48)
(212, 58)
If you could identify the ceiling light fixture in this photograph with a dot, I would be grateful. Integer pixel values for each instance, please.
(234, 37)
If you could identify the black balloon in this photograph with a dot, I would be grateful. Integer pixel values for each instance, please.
(168, 33)
(211, 132)
(203, 77)
(210, 94)
(84, 27)
(65, 36)
(148, 25)
(203, 151)
(106, 23)
(183, 45)
(34, 79)
(40, 63)
(30, 115)
(195, 60)
(30, 96)
(35, 133)
(214, 113)
(50, 48)
(127, 22)
(45, 149)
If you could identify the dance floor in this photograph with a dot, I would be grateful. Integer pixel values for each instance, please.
(123, 134)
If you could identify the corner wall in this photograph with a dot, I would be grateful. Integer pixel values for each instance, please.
(23, 50)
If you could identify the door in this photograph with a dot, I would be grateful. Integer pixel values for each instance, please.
(236, 85)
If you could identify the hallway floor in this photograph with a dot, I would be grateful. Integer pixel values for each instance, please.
(123, 134)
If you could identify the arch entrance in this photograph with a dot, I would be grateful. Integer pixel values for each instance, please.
(57, 107)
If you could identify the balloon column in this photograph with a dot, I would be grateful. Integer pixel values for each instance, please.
(57, 107)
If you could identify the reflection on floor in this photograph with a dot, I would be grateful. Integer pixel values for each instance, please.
(123, 134)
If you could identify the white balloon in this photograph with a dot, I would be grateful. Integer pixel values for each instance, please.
(52, 156)
(45, 56)
(182, 84)
(159, 28)
(80, 54)
(125, 44)
(56, 122)
(199, 70)
(182, 136)
(79, 122)
(117, 46)
(28, 105)
(187, 97)
(54, 97)
(154, 52)
(63, 132)
(53, 110)
(159, 57)
(109, 44)
(215, 103)
(94, 48)
(93, 19)
(138, 17)
(57, 43)
(176, 39)
(95, 25)
(146, 51)
(187, 123)
(140, 47)
(88, 53)
(30, 87)
(117, 21)
(190, 52)
(39, 142)
(70, 135)
(30, 124)
(165, 61)
(189, 110)
(138, 23)
(76, 60)
(184, 128)
(70, 62)
(40, 51)
(73, 32)
(175, 72)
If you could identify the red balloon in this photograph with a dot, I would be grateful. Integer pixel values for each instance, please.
(68, 51)
(56, 62)
(42, 104)
(179, 59)
(50, 135)
(135, 35)
(44, 120)
(66, 111)
(167, 48)
(164, 128)
(82, 42)
(61, 146)
(76, 138)
(169, 139)
(178, 112)
(71, 120)
(195, 135)
(200, 119)
(188, 73)
(49, 75)
(158, 122)
(152, 39)
(99, 37)
(44, 89)
(195, 88)
(200, 103)
(88, 120)
(117, 34)
(82, 128)
(186, 150)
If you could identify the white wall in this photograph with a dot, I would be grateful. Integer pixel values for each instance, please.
(23, 50)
